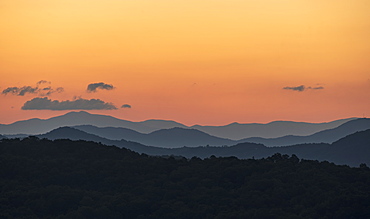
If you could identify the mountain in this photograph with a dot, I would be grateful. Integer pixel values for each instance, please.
(326, 136)
(169, 138)
(234, 131)
(38, 126)
(75, 134)
(352, 150)
(237, 131)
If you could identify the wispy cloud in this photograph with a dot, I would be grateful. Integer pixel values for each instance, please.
(103, 86)
(298, 88)
(39, 89)
(20, 91)
(80, 104)
(303, 88)
(43, 82)
(126, 106)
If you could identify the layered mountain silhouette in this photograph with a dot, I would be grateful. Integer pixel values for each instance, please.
(237, 131)
(234, 131)
(178, 137)
(352, 150)
(326, 136)
(169, 138)
(38, 126)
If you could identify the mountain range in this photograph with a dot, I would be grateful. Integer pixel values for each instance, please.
(233, 131)
(179, 137)
(351, 150)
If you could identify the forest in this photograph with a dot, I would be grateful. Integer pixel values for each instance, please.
(42, 178)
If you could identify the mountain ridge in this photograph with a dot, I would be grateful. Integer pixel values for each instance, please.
(233, 131)
(351, 150)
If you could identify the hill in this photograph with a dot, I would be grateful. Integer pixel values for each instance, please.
(168, 138)
(340, 152)
(41, 178)
(38, 126)
(234, 131)
(237, 131)
(325, 136)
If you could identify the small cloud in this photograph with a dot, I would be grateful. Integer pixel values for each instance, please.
(316, 88)
(43, 82)
(59, 90)
(298, 88)
(27, 89)
(38, 89)
(303, 88)
(20, 91)
(77, 104)
(47, 91)
(11, 90)
(126, 106)
(94, 86)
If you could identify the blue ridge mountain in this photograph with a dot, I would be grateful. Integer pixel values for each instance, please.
(168, 138)
(351, 150)
(325, 136)
(234, 131)
(38, 126)
(178, 137)
(237, 131)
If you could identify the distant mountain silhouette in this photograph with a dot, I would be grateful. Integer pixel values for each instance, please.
(237, 131)
(38, 126)
(326, 136)
(234, 131)
(75, 134)
(169, 138)
(352, 150)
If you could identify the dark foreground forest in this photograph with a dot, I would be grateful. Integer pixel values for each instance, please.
(41, 178)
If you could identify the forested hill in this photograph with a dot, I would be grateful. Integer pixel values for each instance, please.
(40, 178)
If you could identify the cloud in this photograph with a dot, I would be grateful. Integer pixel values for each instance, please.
(303, 88)
(39, 89)
(11, 90)
(94, 86)
(20, 91)
(45, 103)
(47, 91)
(298, 88)
(126, 106)
(43, 82)
(316, 88)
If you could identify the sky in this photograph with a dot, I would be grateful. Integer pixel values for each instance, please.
(209, 62)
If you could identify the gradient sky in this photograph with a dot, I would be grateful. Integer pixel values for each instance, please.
(197, 62)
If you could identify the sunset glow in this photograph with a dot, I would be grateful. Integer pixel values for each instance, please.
(209, 62)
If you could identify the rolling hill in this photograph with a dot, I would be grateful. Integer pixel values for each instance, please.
(325, 136)
(352, 150)
(234, 131)
(168, 138)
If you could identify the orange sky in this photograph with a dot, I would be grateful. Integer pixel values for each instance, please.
(197, 62)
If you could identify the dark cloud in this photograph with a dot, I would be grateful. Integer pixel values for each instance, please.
(38, 90)
(47, 91)
(303, 88)
(126, 106)
(43, 82)
(77, 104)
(316, 88)
(11, 90)
(94, 86)
(27, 89)
(20, 91)
(298, 88)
